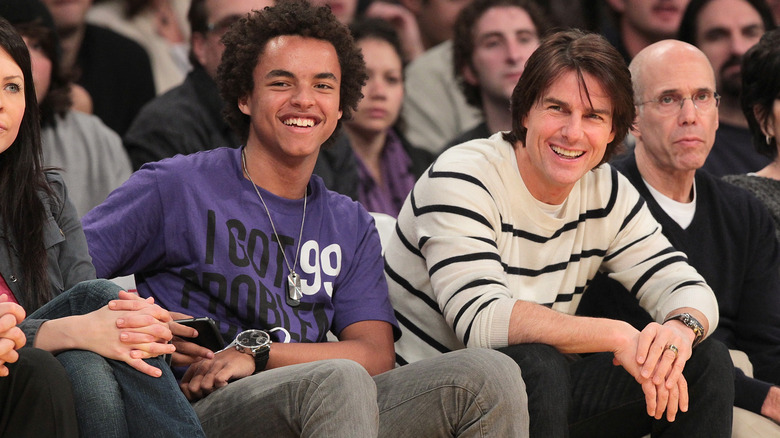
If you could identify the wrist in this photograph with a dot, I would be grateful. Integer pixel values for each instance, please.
(57, 335)
(695, 328)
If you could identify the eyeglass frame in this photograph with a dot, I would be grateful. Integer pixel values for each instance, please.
(657, 100)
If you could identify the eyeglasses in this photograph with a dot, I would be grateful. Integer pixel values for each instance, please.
(670, 104)
(220, 27)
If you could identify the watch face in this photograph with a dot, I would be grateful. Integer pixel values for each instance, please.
(252, 338)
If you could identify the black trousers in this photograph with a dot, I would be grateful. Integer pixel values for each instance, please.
(590, 397)
(36, 398)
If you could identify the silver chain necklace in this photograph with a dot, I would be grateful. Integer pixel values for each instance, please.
(294, 292)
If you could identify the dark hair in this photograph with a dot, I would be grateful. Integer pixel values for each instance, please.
(32, 19)
(246, 41)
(463, 37)
(760, 88)
(581, 53)
(688, 24)
(198, 18)
(379, 29)
(21, 178)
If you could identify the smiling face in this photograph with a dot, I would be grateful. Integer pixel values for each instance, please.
(384, 90)
(567, 136)
(12, 103)
(504, 38)
(680, 142)
(294, 106)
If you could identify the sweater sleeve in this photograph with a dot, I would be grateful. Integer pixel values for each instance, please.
(645, 262)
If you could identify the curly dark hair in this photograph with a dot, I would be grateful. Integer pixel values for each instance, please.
(760, 89)
(582, 53)
(246, 41)
(463, 37)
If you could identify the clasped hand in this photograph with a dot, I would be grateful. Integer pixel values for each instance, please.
(648, 358)
(11, 337)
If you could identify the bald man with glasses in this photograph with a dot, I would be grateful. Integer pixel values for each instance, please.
(727, 234)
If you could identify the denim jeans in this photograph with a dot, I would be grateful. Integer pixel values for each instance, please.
(469, 393)
(113, 399)
(590, 396)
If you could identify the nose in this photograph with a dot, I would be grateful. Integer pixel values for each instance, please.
(741, 44)
(376, 88)
(514, 52)
(572, 129)
(303, 97)
(688, 111)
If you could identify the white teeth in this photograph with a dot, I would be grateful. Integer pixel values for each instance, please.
(300, 122)
(566, 153)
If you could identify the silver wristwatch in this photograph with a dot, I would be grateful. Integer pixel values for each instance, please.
(256, 343)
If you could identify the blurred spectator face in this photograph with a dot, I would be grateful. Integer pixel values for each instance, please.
(676, 139)
(774, 5)
(41, 68)
(504, 38)
(344, 10)
(221, 15)
(384, 89)
(654, 19)
(726, 30)
(436, 19)
(69, 15)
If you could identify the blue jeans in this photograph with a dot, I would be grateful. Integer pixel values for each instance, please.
(113, 399)
(468, 393)
(590, 396)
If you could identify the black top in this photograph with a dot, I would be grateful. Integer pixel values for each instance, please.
(731, 243)
(117, 74)
(733, 153)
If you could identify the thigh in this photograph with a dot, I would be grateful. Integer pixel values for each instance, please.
(471, 392)
(329, 398)
(606, 400)
(36, 398)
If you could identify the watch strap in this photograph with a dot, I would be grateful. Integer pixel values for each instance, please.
(692, 323)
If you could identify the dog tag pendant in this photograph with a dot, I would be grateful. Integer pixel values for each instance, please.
(294, 293)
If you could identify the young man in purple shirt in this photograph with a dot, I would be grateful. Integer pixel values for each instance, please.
(251, 239)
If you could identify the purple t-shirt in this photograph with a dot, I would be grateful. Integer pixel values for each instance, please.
(195, 234)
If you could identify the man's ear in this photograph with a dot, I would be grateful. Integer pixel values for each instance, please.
(198, 41)
(469, 76)
(243, 105)
(634, 128)
(764, 121)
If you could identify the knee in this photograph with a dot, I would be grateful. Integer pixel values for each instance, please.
(95, 292)
(40, 369)
(341, 373)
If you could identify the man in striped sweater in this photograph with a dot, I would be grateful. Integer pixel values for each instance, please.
(498, 240)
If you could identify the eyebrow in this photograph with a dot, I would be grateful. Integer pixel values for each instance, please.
(492, 34)
(8, 78)
(563, 104)
(677, 91)
(288, 74)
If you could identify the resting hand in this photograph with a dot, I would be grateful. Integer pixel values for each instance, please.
(143, 323)
(656, 367)
(11, 337)
(187, 352)
(208, 375)
(103, 334)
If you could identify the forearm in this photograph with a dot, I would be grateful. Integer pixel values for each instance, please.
(369, 343)
(534, 323)
(288, 354)
(62, 334)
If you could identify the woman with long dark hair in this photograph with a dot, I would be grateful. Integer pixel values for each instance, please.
(108, 341)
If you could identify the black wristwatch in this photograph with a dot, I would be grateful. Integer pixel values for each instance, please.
(692, 323)
(256, 343)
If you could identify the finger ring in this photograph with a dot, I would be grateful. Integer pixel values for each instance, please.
(673, 348)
